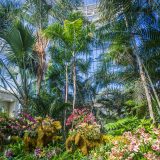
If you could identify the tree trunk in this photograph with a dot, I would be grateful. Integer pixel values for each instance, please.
(40, 46)
(40, 72)
(152, 86)
(144, 82)
(66, 94)
(74, 80)
(142, 75)
(66, 101)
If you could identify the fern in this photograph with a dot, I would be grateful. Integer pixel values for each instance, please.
(121, 125)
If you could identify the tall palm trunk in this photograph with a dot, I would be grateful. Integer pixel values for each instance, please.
(152, 86)
(74, 80)
(66, 101)
(40, 71)
(142, 74)
(40, 46)
(66, 91)
(144, 82)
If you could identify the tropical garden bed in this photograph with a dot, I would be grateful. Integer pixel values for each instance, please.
(32, 138)
(83, 77)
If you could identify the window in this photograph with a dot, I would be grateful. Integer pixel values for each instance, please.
(89, 2)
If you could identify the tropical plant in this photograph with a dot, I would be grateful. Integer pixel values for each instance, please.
(18, 53)
(41, 133)
(36, 13)
(75, 36)
(128, 124)
(8, 12)
(119, 28)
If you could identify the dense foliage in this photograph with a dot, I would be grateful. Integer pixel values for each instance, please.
(86, 79)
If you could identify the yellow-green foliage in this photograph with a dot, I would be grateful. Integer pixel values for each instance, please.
(85, 138)
(89, 131)
(78, 141)
(114, 139)
(46, 131)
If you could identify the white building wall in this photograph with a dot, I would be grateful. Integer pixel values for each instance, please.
(8, 103)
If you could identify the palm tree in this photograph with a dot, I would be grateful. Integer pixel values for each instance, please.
(125, 13)
(62, 9)
(8, 13)
(17, 62)
(75, 37)
(39, 14)
(36, 14)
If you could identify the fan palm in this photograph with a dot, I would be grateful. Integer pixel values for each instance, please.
(17, 62)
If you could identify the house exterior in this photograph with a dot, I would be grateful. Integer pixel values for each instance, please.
(8, 103)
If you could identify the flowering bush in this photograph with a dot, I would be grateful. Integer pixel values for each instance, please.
(11, 129)
(47, 153)
(79, 116)
(134, 146)
(16, 126)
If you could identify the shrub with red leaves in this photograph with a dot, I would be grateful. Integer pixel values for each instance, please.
(79, 116)
(15, 126)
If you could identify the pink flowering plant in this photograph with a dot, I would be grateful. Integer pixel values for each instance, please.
(16, 126)
(47, 153)
(140, 145)
(84, 122)
(79, 116)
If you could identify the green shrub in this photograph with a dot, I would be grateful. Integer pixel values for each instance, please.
(128, 124)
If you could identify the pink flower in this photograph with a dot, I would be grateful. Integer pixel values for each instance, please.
(151, 156)
(141, 130)
(79, 116)
(156, 146)
(156, 131)
(134, 147)
(9, 154)
(146, 138)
